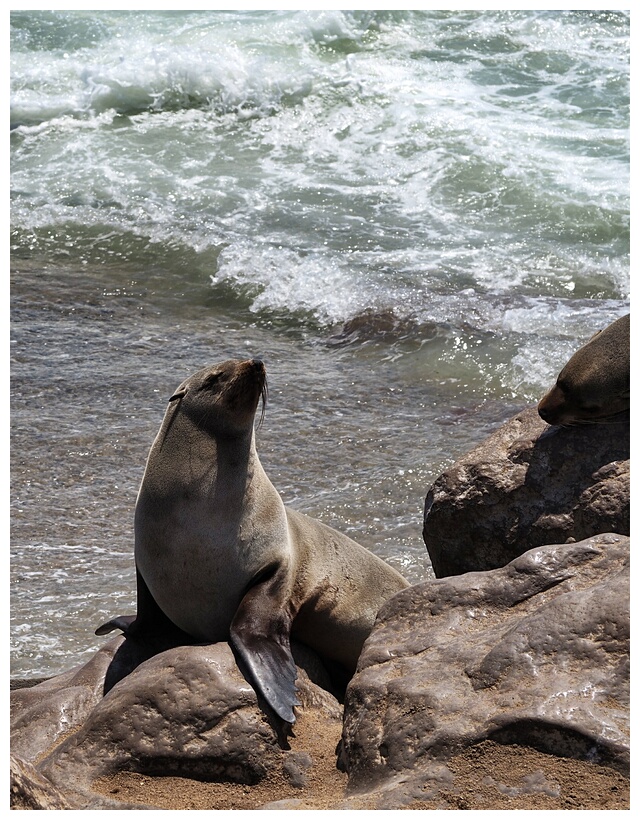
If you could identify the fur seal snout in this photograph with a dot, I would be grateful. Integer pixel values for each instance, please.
(594, 385)
(220, 558)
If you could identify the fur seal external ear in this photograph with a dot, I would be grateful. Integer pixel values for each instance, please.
(220, 558)
(593, 387)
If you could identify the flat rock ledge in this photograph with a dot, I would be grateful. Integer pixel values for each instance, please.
(528, 485)
(534, 654)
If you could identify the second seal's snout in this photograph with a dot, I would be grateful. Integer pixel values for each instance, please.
(544, 414)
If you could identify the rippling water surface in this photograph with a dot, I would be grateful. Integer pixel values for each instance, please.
(414, 218)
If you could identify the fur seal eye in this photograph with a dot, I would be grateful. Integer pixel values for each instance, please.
(211, 380)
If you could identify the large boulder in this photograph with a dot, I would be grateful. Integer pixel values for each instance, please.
(527, 485)
(187, 712)
(534, 654)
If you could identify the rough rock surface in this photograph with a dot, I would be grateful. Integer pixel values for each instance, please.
(535, 653)
(186, 712)
(29, 790)
(525, 486)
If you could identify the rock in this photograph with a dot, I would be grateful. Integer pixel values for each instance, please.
(185, 712)
(525, 486)
(25, 683)
(29, 790)
(42, 714)
(383, 325)
(535, 653)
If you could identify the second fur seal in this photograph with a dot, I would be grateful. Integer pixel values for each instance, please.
(219, 557)
(593, 387)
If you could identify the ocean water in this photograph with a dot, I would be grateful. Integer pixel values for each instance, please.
(413, 217)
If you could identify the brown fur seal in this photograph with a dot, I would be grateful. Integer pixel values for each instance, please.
(593, 386)
(219, 557)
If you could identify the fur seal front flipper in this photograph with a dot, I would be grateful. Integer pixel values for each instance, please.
(220, 558)
(260, 636)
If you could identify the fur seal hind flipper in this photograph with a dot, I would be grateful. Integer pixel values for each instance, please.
(150, 624)
(260, 633)
(147, 633)
(122, 622)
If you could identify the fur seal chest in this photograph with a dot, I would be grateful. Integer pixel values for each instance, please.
(593, 387)
(220, 558)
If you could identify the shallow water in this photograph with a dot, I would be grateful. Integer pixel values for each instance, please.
(413, 217)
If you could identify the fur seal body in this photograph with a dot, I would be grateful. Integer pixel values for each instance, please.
(220, 558)
(593, 387)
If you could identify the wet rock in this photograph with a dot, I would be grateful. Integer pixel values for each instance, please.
(25, 683)
(525, 486)
(535, 653)
(383, 325)
(186, 712)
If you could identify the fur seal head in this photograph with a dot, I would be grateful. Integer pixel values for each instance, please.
(593, 387)
(223, 399)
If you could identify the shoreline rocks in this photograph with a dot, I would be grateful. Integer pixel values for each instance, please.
(525, 486)
(504, 683)
(529, 659)
(186, 712)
